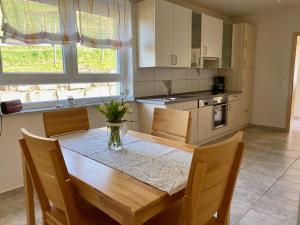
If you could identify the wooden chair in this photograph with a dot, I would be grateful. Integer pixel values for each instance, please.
(52, 182)
(210, 187)
(171, 124)
(65, 121)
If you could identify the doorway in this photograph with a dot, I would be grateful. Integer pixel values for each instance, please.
(293, 117)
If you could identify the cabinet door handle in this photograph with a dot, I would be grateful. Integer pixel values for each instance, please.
(175, 59)
(205, 50)
(172, 59)
(229, 107)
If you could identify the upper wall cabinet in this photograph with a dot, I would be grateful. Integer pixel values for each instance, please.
(164, 34)
(211, 37)
(249, 37)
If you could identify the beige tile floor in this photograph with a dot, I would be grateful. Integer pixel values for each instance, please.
(267, 191)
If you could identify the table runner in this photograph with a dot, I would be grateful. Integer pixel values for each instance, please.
(161, 166)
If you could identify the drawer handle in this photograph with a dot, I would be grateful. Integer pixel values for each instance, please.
(205, 50)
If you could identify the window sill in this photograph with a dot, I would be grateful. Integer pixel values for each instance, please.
(54, 108)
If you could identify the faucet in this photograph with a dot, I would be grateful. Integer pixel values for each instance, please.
(168, 92)
(168, 85)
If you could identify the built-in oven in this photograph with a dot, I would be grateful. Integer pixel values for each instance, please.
(219, 112)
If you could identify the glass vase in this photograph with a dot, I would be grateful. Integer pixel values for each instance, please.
(116, 134)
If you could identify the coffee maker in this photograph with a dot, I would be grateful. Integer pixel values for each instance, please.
(218, 85)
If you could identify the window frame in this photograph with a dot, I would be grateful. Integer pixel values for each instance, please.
(69, 75)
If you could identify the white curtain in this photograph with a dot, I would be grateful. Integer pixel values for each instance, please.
(38, 21)
(95, 23)
(104, 23)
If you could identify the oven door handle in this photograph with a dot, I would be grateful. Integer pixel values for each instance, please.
(220, 104)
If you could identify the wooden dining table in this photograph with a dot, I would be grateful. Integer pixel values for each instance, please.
(127, 200)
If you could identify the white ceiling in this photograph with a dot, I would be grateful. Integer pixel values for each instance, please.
(244, 7)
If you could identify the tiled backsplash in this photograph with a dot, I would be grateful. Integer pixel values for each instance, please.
(149, 81)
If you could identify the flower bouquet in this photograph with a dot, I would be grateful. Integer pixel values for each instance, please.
(115, 111)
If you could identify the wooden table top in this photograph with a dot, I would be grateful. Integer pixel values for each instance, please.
(109, 189)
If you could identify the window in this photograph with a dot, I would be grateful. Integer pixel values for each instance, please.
(31, 59)
(95, 60)
(48, 52)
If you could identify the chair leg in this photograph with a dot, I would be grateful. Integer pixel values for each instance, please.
(227, 222)
(28, 189)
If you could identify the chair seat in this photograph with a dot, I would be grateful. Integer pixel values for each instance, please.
(91, 217)
(171, 216)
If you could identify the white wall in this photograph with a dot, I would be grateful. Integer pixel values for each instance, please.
(10, 158)
(273, 56)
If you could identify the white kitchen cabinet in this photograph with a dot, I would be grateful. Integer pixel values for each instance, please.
(182, 36)
(164, 34)
(204, 123)
(247, 95)
(233, 114)
(242, 76)
(248, 59)
(194, 126)
(176, 106)
(211, 37)
(192, 106)
(146, 115)
(249, 42)
(163, 42)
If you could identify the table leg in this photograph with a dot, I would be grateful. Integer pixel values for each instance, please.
(28, 189)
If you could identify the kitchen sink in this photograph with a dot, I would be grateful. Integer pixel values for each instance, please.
(166, 99)
(171, 98)
(187, 96)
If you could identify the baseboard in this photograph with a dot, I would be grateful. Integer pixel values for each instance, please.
(279, 129)
(12, 189)
(222, 135)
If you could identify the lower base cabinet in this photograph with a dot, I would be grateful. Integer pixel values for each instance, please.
(202, 130)
(146, 115)
(204, 123)
(233, 119)
(194, 126)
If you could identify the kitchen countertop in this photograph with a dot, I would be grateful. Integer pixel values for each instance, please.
(183, 97)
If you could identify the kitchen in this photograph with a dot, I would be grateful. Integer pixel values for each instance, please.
(217, 48)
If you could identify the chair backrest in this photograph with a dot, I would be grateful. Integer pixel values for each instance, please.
(171, 124)
(49, 174)
(211, 182)
(65, 121)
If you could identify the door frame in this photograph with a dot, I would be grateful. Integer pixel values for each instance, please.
(290, 102)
